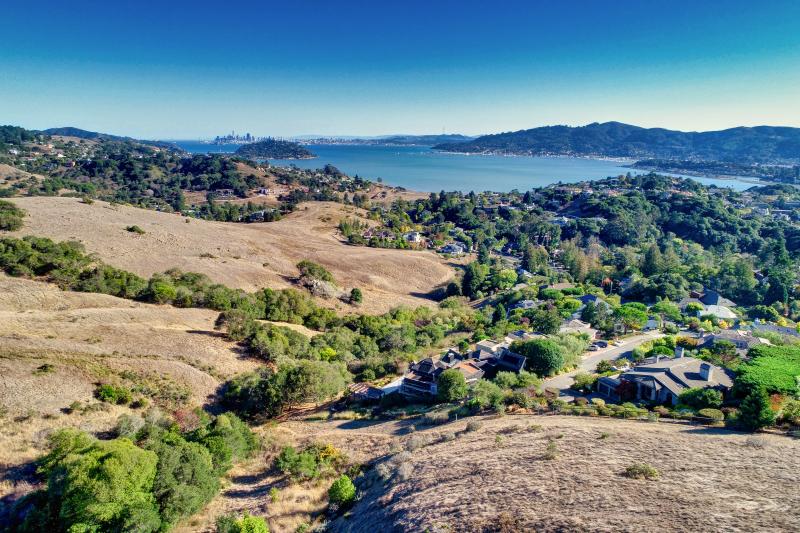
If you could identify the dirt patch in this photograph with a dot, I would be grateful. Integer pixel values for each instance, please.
(247, 256)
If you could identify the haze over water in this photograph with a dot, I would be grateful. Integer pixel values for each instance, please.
(422, 169)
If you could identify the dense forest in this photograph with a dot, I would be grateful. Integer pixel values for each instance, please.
(614, 139)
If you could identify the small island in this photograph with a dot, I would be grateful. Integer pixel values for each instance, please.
(274, 149)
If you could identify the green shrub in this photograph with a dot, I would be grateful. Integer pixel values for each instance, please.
(312, 270)
(485, 393)
(342, 492)
(714, 414)
(551, 451)
(227, 439)
(10, 216)
(113, 394)
(641, 471)
(309, 463)
(452, 386)
(135, 229)
(544, 356)
(356, 297)
(96, 486)
(755, 411)
(246, 524)
(698, 398)
(185, 478)
(584, 382)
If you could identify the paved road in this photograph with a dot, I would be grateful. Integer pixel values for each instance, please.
(590, 360)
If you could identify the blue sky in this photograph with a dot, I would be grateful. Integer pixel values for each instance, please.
(196, 69)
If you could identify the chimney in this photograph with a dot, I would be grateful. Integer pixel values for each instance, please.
(706, 371)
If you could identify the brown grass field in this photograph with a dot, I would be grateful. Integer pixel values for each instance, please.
(247, 256)
(710, 479)
(88, 338)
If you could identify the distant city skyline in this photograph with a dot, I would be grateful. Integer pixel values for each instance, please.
(192, 70)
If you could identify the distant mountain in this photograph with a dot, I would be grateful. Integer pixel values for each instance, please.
(69, 131)
(423, 140)
(388, 140)
(274, 149)
(761, 144)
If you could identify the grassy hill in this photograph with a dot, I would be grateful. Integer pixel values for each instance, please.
(249, 257)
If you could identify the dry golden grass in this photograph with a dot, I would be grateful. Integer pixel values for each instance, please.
(9, 174)
(499, 478)
(248, 256)
(88, 338)
(710, 480)
(248, 485)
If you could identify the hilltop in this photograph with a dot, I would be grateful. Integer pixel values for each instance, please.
(615, 139)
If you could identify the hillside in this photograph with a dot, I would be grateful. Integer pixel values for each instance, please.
(274, 149)
(710, 480)
(246, 256)
(614, 139)
(87, 338)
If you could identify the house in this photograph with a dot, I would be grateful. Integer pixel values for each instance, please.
(743, 340)
(589, 299)
(711, 303)
(365, 392)
(414, 237)
(578, 326)
(523, 274)
(714, 298)
(488, 358)
(453, 248)
(471, 371)
(759, 326)
(509, 361)
(421, 378)
(719, 311)
(524, 304)
(522, 335)
(662, 380)
(653, 323)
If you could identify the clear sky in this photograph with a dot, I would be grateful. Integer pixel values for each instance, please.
(178, 69)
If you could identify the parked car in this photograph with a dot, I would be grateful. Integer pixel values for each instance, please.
(593, 348)
(601, 344)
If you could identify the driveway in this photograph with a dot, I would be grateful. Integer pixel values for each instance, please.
(590, 360)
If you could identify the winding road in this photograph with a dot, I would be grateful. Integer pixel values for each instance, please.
(590, 360)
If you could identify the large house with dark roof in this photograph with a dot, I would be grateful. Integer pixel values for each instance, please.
(663, 379)
(421, 378)
(488, 358)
